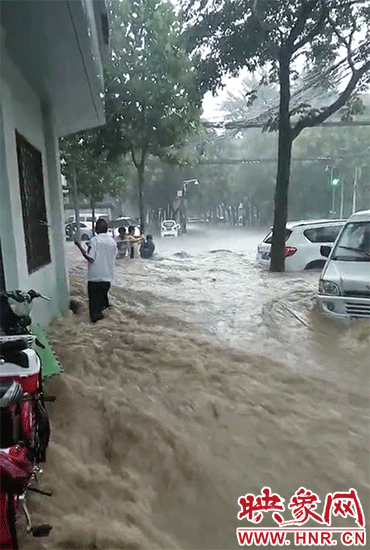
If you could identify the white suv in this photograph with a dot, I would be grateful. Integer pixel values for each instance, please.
(303, 242)
(169, 228)
(85, 231)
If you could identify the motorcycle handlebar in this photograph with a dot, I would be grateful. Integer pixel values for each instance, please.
(33, 294)
(20, 296)
(47, 398)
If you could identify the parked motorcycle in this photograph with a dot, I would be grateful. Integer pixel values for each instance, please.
(24, 423)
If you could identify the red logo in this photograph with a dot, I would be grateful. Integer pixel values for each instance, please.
(303, 506)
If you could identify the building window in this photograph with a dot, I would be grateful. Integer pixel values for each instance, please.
(33, 204)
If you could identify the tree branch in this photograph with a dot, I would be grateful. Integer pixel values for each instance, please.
(316, 29)
(311, 120)
(342, 40)
(304, 11)
(266, 28)
(262, 23)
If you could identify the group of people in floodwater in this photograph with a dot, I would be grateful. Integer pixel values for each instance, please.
(128, 245)
(101, 254)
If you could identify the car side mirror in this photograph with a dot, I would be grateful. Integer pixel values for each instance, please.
(325, 250)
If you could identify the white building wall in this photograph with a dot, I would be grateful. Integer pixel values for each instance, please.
(22, 110)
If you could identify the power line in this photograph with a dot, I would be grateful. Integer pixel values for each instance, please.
(336, 158)
(254, 161)
(350, 3)
(243, 124)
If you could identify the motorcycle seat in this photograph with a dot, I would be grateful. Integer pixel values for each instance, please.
(19, 358)
(12, 344)
(20, 363)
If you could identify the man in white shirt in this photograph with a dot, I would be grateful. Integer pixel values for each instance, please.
(101, 254)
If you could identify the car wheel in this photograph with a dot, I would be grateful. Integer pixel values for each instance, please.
(85, 237)
(316, 264)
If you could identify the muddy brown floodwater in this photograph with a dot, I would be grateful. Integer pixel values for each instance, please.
(200, 385)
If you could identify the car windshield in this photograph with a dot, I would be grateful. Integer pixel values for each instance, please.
(169, 224)
(354, 243)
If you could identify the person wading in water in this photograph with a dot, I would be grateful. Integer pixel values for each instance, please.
(101, 254)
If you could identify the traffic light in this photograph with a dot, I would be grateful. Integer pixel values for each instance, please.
(334, 177)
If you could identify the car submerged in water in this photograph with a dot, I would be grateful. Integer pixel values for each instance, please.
(303, 241)
(344, 285)
(85, 231)
(169, 228)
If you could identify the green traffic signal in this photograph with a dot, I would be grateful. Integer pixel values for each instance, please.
(335, 182)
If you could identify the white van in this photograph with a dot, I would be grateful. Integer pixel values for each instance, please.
(344, 285)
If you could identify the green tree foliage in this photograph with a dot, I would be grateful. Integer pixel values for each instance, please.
(227, 185)
(86, 169)
(329, 37)
(244, 190)
(152, 102)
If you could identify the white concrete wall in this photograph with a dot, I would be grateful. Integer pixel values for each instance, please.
(21, 110)
(54, 45)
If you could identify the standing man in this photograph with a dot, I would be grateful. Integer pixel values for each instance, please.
(101, 254)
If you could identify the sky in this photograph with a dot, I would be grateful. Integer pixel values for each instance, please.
(211, 105)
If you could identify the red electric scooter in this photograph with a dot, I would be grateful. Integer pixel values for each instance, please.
(24, 423)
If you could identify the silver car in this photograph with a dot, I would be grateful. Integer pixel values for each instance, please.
(344, 286)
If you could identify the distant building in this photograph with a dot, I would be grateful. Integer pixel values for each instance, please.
(51, 84)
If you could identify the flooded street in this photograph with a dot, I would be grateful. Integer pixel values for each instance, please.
(211, 280)
(208, 379)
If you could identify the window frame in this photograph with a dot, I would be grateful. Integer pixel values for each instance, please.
(322, 228)
(34, 212)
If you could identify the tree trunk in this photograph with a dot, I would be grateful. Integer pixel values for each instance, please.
(285, 142)
(140, 174)
(76, 205)
(92, 204)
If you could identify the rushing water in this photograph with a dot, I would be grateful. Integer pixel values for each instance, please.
(209, 379)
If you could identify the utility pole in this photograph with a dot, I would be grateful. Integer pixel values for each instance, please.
(183, 212)
(333, 192)
(341, 199)
(334, 182)
(75, 204)
(354, 190)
